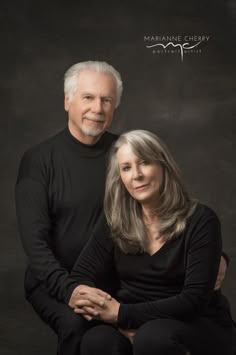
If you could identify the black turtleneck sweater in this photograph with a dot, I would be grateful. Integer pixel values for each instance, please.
(59, 198)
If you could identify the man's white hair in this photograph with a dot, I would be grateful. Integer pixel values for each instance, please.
(72, 74)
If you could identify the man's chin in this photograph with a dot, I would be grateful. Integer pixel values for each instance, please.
(92, 132)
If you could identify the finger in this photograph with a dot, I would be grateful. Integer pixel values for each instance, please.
(80, 311)
(87, 310)
(95, 292)
(87, 290)
(122, 332)
(96, 300)
(83, 303)
(91, 311)
(103, 294)
(131, 340)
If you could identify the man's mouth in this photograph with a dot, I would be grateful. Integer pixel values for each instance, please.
(96, 120)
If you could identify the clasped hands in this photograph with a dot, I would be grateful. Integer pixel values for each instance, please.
(93, 303)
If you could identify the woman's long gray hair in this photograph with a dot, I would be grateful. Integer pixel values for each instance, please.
(124, 213)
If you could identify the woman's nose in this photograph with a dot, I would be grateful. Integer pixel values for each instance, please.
(137, 173)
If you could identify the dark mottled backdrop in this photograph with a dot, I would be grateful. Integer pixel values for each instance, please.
(189, 103)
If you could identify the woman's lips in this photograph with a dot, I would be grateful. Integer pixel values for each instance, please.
(140, 187)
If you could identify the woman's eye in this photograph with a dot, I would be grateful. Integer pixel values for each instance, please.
(125, 168)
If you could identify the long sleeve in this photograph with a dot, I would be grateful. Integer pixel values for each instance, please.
(203, 251)
(95, 265)
(35, 226)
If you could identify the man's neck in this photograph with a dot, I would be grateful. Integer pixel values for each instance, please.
(83, 138)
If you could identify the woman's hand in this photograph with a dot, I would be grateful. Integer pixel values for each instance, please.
(128, 333)
(221, 273)
(95, 308)
(83, 292)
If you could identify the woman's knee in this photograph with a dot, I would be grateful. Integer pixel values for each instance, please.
(71, 324)
(105, 340)
(155, 337)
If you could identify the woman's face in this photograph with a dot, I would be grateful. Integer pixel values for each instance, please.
(142, 179)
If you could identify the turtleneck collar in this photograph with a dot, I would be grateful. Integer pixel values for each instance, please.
(87, 149)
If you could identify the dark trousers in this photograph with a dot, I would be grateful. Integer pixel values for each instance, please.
(68, 326)
(162, 337)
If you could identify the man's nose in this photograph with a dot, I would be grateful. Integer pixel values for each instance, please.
(97, 105)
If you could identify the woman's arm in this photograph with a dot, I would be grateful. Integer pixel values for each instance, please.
(203, 255)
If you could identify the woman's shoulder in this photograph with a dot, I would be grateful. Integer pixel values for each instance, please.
(202, 211)
(203, 229)
(203, 217)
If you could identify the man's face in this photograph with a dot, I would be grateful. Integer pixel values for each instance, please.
(92, 107)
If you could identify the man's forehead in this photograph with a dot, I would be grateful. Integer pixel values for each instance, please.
(92, 73)
(92, 80)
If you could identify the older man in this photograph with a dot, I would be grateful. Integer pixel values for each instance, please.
(59, 198)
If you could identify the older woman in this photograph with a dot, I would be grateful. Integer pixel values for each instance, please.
(165, 248)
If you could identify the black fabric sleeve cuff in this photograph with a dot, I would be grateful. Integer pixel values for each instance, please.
(71, 288)
(125, 316)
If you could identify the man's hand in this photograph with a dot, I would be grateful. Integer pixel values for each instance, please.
(221, 273)
(96, 308)
(83, 293)
(128, 333)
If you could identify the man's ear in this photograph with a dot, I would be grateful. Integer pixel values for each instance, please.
(67, 103)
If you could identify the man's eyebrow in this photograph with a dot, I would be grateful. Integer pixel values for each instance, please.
(108, 96)
(103, 96)
(87, 93)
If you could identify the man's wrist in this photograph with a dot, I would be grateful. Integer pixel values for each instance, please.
(70, 292)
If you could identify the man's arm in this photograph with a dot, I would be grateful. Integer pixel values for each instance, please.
(33, 214)
(94, 263)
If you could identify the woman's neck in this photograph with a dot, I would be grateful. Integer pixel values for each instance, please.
(149, 214)
(151, 222)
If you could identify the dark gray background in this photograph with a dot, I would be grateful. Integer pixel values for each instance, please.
(190, 104)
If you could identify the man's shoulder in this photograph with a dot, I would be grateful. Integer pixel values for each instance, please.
(113, 136)
(37, 160)
(110, 137)
(45, 147)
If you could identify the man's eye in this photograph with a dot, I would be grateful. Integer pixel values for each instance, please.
(88, 97)
(106, 99)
